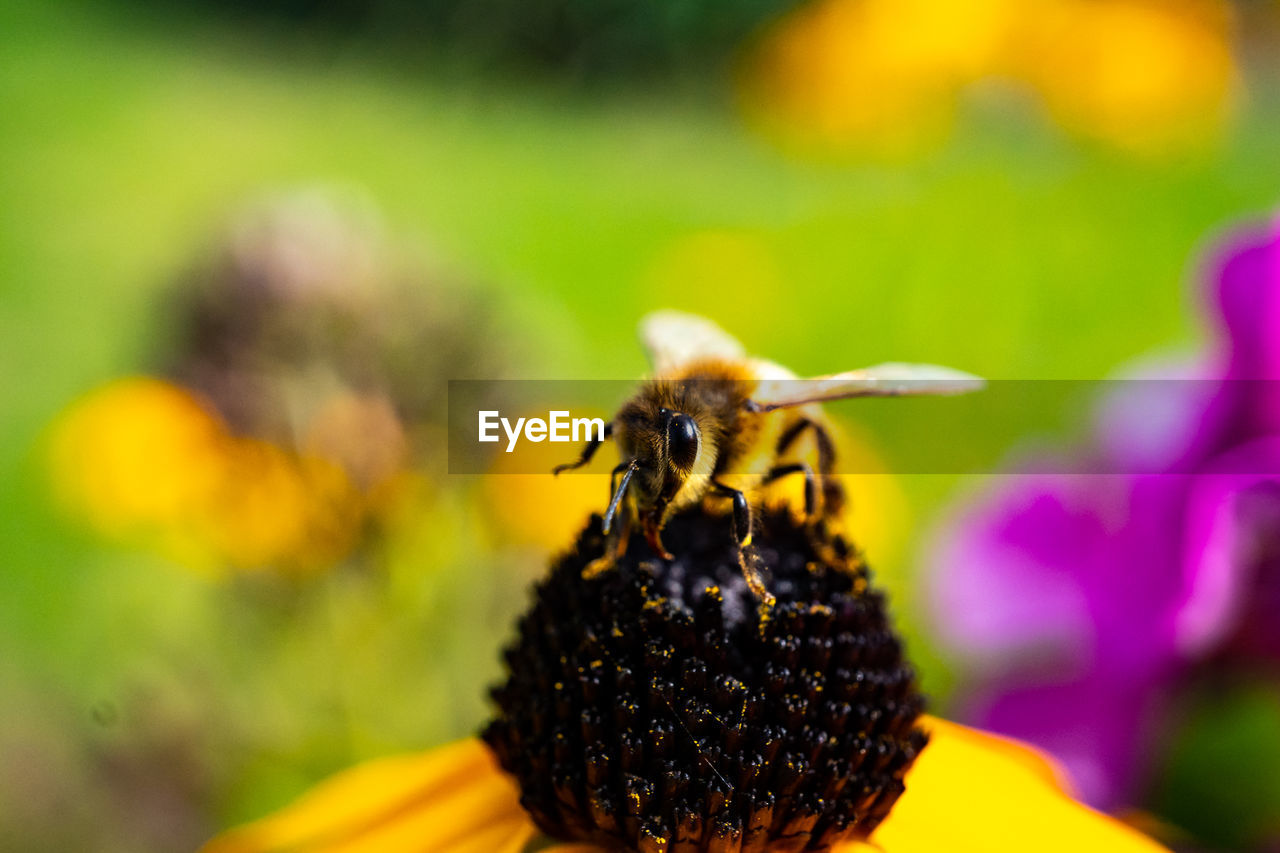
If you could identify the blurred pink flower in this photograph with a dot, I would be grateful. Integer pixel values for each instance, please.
(1076, 603)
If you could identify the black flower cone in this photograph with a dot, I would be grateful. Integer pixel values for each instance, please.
(649, 708)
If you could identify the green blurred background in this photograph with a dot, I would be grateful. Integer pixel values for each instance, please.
(143, 706)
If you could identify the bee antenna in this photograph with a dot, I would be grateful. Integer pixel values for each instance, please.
(617, 496)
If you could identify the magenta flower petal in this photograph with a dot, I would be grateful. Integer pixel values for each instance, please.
(1075, 603)
(1063, 595)
(1233, 552)
(1097, 728)
(1153, 416)
(1246, 296)
(1071, 572)
(1004, 592)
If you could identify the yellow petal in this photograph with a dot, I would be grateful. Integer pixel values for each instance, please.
(448, 800)
(971, 791)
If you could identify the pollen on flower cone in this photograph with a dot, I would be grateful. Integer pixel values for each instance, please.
(652, 708)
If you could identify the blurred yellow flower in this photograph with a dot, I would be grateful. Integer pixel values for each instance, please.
(145, 462)
(885, 77)
(813, 85)
(1150, 76)
(876, 76)
(968, 792)
(138, 459)
(277, 510)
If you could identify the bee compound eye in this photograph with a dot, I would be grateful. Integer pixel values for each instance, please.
(682, 440)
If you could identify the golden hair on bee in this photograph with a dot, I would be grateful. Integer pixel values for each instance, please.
(714, 425)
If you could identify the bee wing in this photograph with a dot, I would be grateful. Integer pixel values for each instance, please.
(883, 380)
(674, 338)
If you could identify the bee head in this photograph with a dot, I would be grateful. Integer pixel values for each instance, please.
(665, 445)
(673, 446)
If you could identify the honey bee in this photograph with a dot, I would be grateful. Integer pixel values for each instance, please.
(713, 424)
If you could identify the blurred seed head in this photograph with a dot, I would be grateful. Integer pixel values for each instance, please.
(308, 323)
(307, 364)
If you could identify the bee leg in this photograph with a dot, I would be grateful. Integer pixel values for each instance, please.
(587, 452)
(826, 446)
(741, 513)
(613, 478)
(653, 533)
(832, 491)
(742, 536)
(833, 496)
(615, 547)
(810, 484)
(615, 541)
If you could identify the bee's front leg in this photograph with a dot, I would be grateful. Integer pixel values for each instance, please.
(615, 543)
(615, 547)
(742, 536)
